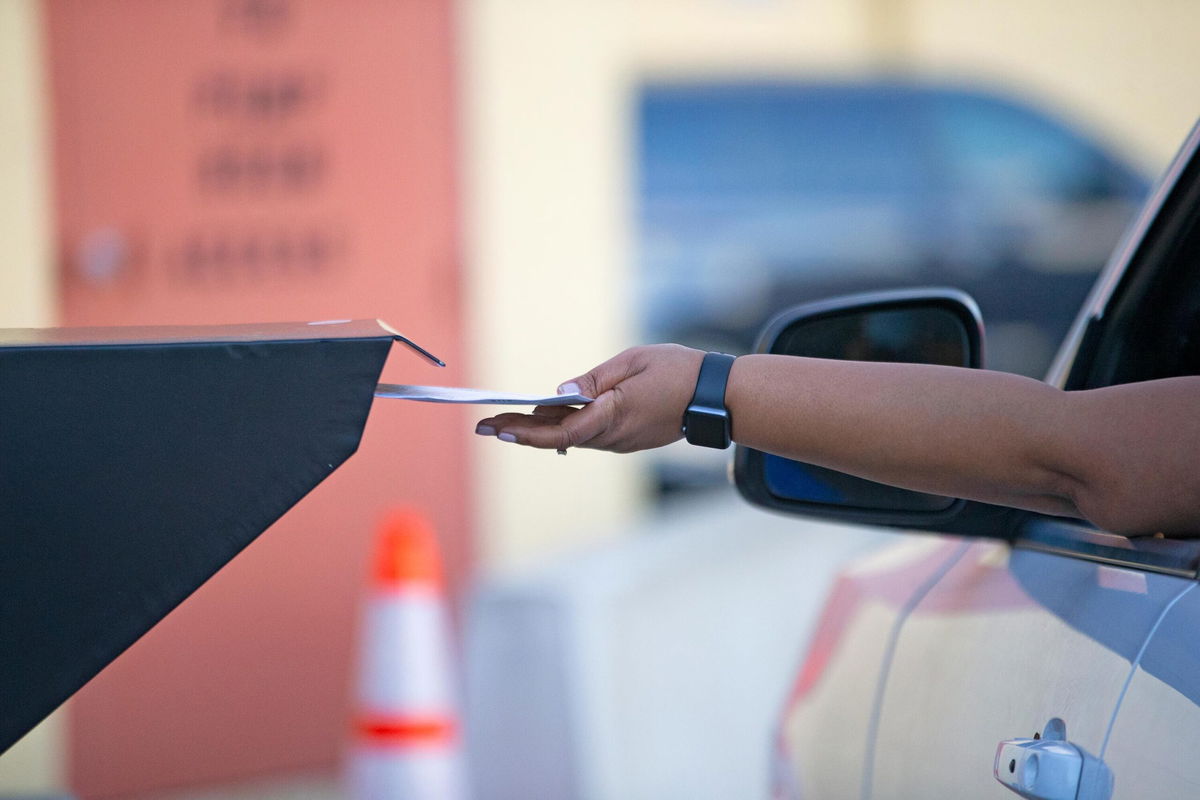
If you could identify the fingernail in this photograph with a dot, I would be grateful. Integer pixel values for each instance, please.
(570, 387)
(506, 437)
(485, 430)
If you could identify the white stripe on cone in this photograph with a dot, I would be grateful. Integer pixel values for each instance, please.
(379, 773)
(405, 668)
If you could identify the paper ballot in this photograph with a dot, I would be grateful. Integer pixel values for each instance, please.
(453, 394)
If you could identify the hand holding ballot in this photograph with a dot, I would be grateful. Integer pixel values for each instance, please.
(640, 396)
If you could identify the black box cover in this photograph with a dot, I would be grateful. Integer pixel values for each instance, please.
(136, 462)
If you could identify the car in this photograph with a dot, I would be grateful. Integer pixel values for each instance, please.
(994, 650)
(752, 196)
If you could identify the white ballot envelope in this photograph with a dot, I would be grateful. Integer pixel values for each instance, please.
(454, 394)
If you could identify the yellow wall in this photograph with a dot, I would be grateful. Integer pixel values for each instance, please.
(35, 764)
(1128, 71)
(728, 37)
(26, 277)
(545, 207)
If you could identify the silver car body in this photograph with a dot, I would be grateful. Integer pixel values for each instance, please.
(932, 653)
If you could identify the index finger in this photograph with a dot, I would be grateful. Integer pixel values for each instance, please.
(575, 429)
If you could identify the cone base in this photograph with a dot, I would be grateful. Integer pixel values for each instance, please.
(412, 772)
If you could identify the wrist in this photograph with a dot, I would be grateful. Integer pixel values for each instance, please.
(706, 420)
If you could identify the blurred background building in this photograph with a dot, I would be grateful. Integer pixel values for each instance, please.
(526, 187)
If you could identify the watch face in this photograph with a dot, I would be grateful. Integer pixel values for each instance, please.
(707, 427)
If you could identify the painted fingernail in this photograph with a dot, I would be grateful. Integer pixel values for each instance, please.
(506, 437)
(570, 387)
(485, 430)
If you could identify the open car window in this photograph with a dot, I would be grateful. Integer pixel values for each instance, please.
(1142, 323)
(1149, 325)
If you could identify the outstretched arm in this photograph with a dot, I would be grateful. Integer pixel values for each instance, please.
(1125, 457)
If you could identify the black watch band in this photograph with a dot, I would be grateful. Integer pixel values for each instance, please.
(706, 421)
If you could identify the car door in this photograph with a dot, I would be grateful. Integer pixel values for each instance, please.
(1089, 633)
(1007, 641)
(1155, 733)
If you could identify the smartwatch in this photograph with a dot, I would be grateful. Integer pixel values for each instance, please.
(706, 422)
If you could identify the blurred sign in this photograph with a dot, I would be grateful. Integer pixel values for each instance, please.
(255, 160)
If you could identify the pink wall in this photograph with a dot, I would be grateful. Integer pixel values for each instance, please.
(244, 160)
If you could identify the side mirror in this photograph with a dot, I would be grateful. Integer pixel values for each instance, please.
(926, 326)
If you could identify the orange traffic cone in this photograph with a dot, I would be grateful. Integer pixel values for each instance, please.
(407, 742)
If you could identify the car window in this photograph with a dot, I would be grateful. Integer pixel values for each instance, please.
(1151, 326)
(764, 143)
(1163, 336)
(994, 146)
(1147, 328)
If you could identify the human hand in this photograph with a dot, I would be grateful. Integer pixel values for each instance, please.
(640, 396)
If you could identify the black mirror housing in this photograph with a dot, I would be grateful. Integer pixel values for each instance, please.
(929, 326)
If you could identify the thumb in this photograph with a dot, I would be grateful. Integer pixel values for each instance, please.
(600, 379)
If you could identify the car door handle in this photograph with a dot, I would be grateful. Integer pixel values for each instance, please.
(1051, 768)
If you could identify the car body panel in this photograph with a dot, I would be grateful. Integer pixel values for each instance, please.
(836, 691)
(1021, 637)
(1039, 636)
(1156, 733)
